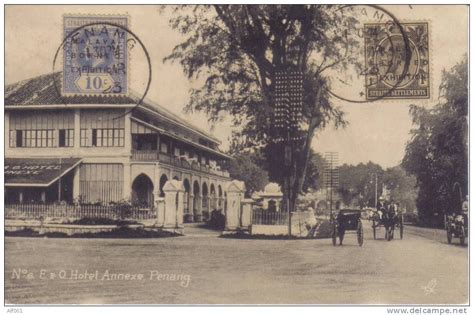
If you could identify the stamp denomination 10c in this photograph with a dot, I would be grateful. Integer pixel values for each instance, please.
(95, 55)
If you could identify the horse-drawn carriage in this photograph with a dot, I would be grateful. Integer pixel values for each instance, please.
(347, 220)
(389, 218)
(456, 226)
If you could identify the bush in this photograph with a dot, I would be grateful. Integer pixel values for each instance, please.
(101, 221)
(217, 220)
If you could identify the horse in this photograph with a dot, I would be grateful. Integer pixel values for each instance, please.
(389, 220)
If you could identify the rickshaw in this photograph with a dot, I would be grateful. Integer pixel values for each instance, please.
(456, 227)
(456, 223)
(347, 220)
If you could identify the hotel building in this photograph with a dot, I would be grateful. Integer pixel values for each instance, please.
(103, 150)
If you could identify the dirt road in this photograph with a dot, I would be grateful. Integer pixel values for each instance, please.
(202, 268)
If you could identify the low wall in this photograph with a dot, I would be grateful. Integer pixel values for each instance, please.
(271, 230)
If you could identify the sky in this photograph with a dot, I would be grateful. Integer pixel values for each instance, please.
(377, 131)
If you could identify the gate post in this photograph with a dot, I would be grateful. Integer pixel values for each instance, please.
(246, 217)
(173, 214)
(160, 211)
(235, 194)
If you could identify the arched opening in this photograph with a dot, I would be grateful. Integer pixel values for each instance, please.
(188, 216)
(163, 180)
(213, 198)
(142, 191)
(205, 201)
(196, 202)
(220, 194)
(272, 206)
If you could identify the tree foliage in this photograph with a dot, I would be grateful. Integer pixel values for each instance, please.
(357, 185)
(244, 167)
(235, 51)
(437, 151)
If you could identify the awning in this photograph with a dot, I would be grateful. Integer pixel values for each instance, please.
(40, 172)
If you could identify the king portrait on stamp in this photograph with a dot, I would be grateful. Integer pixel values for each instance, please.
(95, 55)
(397, 61)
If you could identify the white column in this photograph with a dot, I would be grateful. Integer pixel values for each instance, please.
(127, 181)
(160, 210)
(173, 190)
(77, 128)
(191, 207)
(246, 215)
(6, 131)
(76, 188)
(198, 207)
(128, 132)
(235, 194)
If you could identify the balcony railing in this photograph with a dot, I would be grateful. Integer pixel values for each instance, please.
(145, 155)
(153, 155)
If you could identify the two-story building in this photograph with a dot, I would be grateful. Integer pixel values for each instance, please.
(104, 149)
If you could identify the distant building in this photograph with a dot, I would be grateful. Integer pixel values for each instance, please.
(100, 149)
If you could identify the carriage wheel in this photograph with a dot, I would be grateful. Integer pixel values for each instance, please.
(462, 237)
(401, 227)
(450, 236)
(374, 228)
(334, 234)
(360, 233)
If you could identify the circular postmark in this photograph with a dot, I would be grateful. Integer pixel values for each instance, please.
(97, 62)
(388, 56)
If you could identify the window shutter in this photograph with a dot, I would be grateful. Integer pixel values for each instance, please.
(55, 138)
(89, 137)
(12, 138)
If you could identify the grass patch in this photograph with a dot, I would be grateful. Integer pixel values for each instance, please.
(101, 221)
(122, 232)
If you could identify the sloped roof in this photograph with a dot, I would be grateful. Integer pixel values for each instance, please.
(45, 90)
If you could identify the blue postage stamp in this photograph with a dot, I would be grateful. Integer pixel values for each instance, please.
(95, 55)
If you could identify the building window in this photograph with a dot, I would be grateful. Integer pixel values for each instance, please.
(84, 138)
(103, 137)
(164, 147)
(66, 138)
(19, 138)
(101, 183)
(34, 138)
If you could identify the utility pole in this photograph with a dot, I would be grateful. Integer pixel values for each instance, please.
(376, 189)
(331, 175)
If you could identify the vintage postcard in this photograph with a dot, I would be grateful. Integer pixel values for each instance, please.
(217, 154)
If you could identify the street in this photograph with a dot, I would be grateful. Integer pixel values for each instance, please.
(421, 268)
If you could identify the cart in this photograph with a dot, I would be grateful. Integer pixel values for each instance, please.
(379, 221)
(347, 220)
(456, 226)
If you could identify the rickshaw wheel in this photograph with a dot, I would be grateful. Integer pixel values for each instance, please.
(462, 237)
(360, 233)
(401, 227)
